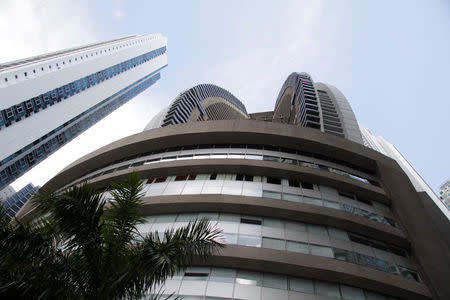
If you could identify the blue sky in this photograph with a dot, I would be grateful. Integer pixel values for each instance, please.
(390, 59)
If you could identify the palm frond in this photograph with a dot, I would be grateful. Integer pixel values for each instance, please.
(175, 249)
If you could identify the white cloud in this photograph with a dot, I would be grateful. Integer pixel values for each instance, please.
(30, 27)
(302, 40)
(118, 14)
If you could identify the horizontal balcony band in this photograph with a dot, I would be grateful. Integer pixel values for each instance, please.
(316, 267)
(251, 167)
(217, 132)
(266, 207)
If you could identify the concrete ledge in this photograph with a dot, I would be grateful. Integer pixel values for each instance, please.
(317, 267)
(275, 209)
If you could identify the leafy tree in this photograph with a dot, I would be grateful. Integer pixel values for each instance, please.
(88, 248)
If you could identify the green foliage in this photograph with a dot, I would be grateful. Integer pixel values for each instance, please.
(88, 248)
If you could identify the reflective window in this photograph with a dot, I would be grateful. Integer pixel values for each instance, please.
(327, 289)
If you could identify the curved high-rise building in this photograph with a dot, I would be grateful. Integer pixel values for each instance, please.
(305, 214)
(199, 103)
(316, 105)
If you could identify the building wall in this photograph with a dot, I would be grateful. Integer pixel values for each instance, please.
(67, 68)
(292, 222)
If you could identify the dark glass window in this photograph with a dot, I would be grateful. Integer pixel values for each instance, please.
(307, 185)
(213, 177)
(248, 177)
(192, 176)
(346, 195)
(239, 177)
(150, 180)
(294, 183)
(273, 180)
(251, 221)
(181, 177)
(160, 179)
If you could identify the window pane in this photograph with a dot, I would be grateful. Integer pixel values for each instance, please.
(273, 243)
(292, 197)
(313, 201)
(273, 195)
(295, 226)
(337, 233)
(249, 278)
(352, 293)
(274, 223)
(327, 289)
(317, 229)
(301, 285)
(297, 247)
(331, 204)
(229, 238)
(275, 281)
(321, 251)
(223, 275)
(249, 240)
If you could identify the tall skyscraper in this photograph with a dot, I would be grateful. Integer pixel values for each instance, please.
(444, 193)
(14, 202)
(49, 99)
(307, 211)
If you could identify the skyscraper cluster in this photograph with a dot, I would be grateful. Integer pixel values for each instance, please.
(311, 204)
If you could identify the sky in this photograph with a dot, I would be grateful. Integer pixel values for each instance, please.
(391, 59)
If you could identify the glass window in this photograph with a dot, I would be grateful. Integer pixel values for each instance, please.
(160, 179)
(317, 229)
(295, 226)
(271, 158)
(331, 204)
(187, 217)
(249, 240)
(249, 278)
(274, 223)
(212, 177)
(248, 220)
(273, 180)
(408, 273)
(273, 243)
(200, 276)
(338, 233)
(223, 275)
(248, 177)
(297, 247)
(229, 238)
(275, 281)
(327, 289)
(273, 195)
(292, 197)
(301, 285)
(313, 201)
(181, 177)
(321, 251)
(240, 177)
(294, 183)
(307, 185)
(352, 293)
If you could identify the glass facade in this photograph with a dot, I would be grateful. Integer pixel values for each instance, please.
(306, 238)
(205, 283)
(38, 150)
(14, 203)
(269, 187)
(28, 107)
(255, 152)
